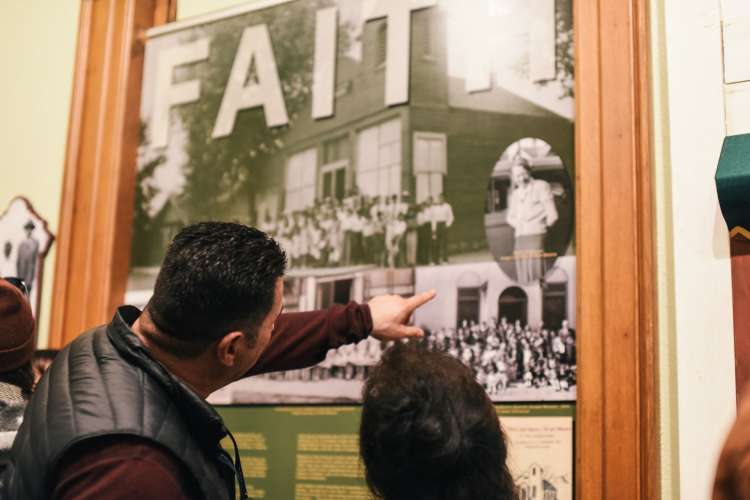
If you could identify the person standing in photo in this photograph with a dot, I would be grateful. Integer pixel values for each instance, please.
(268, 225)
(441, 219)
(346, 222)
(412, 229)
(394, 233)
(367, 234)
(335, 239)
(378, 240)
(424, 232)
(28, 255)
(356, 224)
(531, 212)
(316, 243)
(407, 255)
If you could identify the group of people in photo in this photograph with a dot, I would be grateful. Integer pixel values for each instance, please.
(501, 354)
(386, 231)
(504, 354)
(348, 362)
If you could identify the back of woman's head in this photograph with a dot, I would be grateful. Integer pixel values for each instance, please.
(429, 431)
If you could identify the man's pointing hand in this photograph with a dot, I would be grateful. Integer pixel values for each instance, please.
(391, 313)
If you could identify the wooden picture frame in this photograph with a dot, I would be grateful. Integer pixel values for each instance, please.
(617, 443)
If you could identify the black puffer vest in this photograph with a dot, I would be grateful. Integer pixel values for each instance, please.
(105, 383)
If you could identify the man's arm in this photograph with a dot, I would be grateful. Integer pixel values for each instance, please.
(121, 468)
(302, 339)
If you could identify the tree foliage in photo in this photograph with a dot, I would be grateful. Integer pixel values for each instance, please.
(221, 171)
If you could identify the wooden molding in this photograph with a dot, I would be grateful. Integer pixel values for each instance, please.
(617, 438)
(99, 180)
(165, 11)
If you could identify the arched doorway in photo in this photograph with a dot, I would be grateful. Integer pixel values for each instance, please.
(513, 305)
(555, 298)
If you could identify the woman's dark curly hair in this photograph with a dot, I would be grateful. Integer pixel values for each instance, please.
(429, 431)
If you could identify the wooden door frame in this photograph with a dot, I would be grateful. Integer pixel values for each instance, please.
(617, 452)
(96, 209)
(617, 443)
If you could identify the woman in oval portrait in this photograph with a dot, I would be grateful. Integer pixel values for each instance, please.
(531, 212)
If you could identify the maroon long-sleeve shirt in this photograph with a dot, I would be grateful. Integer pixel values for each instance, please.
(127, 467)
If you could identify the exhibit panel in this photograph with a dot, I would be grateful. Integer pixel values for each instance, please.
(385, 158)
(517, 217)
(312, 452)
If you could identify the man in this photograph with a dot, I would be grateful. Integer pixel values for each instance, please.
(566, 330)
(441, 218)
(429, 431)
(531, 212)
(378, 239)
(394, 232)
(268, 225)
(424, 232)
(17, 344)
(121, 414)
(28, 254)
(408, 247)
(347, 222)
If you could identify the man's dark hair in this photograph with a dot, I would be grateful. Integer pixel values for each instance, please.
(429, 431)
(217, 277)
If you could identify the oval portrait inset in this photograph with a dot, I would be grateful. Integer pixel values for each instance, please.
(529, 213)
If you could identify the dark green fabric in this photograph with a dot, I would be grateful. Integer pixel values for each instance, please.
(106, 383)
(733, 181)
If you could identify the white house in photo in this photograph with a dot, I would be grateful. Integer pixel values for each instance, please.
(480, 291)
(533, 486)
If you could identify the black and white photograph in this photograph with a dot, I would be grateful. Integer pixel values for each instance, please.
(518, 338)
(376, 142)
(529, 210)
(24, 242)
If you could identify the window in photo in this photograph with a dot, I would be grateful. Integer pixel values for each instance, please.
(555, 300)
(430, 160)
(381, 48)
(468, 305)
(513, 305)
(379, 159)
(334, 292)
(300, 180)
(333, 170)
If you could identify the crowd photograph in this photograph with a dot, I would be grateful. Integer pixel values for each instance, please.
(354, 249)
(504, 355)
(385, 231)
(505, 358)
